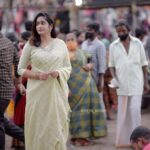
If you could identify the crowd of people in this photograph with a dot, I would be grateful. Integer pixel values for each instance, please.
(70, 86)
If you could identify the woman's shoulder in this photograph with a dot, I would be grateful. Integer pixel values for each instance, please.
(28, 45)
(57, 40)
(60, 44)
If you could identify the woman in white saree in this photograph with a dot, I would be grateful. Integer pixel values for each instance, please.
(46, 117)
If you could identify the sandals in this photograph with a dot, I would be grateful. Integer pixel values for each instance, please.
(81, 142)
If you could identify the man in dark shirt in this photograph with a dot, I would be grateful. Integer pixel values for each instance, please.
(8, 59)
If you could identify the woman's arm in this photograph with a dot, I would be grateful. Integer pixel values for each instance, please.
(24, 62)
(37, 76)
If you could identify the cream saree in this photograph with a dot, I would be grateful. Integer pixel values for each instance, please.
(46, 117)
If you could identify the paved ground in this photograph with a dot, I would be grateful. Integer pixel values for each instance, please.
(106, 143)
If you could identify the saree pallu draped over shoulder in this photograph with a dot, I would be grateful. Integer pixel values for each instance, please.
(47, 108)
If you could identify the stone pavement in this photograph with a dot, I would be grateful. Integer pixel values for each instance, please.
(106, 143)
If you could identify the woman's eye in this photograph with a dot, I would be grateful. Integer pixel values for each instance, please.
(43, 23)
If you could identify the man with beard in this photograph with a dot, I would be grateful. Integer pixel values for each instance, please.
(128, 67)
(97, 49)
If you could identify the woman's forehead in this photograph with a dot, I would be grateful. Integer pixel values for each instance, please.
(41, 18)
(70, 36)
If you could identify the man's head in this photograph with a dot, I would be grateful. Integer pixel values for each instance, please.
(122, 29)
(140, 137)
(140, 33)
(12, 37)
(92, 30)
(28, 26)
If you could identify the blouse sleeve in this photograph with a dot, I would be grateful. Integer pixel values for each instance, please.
(24, 59)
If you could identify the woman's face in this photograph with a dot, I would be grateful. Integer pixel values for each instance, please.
(42, 26)
(71, 42)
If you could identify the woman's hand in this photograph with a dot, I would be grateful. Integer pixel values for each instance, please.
(44, 76)
(21, 89)
(41, 76)
(88, 67)
(54, 74)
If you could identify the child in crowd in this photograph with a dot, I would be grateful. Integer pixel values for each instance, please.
(140, 138)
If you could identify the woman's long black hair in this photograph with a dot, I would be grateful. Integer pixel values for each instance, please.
(35, 39)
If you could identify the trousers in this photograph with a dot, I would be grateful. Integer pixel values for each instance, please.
(8, 127)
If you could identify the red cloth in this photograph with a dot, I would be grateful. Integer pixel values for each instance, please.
(19, 113)
(147, 147)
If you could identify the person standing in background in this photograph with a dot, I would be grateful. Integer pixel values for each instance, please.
(8, 58)
(98, 52)
(87, 119)
(109, 94)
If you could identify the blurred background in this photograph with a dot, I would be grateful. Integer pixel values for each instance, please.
(75, 14)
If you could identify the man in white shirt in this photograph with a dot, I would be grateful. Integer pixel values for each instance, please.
(128, 66)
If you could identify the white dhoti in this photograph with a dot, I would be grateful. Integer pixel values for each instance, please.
(128, 118)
